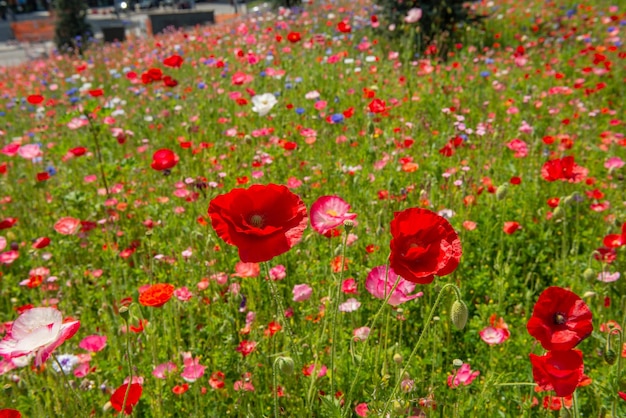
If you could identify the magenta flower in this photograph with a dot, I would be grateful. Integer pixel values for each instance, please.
(329, 212)
(464, 376)
(39, 331)
(375, 284)
(93, 343)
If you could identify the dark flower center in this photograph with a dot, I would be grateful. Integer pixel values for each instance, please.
(559, 318)
(256, 221)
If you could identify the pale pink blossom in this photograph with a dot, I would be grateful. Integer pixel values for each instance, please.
(607, 277)
(413, 15)
(183, 294)
(519, 147)
(302, 292)
(375, 284)
(361, 333)
(350, 305)
(29, 151)
(3, 243)
(162, 370)
(39, 331)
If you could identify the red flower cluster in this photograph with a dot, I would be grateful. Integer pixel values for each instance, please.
(424, 244)
(560, 321)
(563, 169)
(174, 61)
(155, 74)
(262, 221)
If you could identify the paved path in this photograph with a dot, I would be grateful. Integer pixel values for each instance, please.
(14, 53)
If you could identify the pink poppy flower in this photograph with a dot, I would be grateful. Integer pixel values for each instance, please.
(496, 333)
(278, 272)
(29, 151)
(302, 292)
(464, 376)
(246, 269)
(93, 343)
(350, 305)
(362, 409)
(67, 225)
(329, 212)
(10, 149)
(39, 331)
(413, 15)
(161, 371)
(375, 284)
(9, 257)
(614, 163)
(3, 243)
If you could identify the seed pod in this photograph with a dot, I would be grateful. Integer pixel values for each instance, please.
(286, 365)
(502, 191)
(459, 314)
(589, 274)
(610, 356)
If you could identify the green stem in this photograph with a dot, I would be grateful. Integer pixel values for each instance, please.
(67, 383)
(335, 308)
(419, 340)
(275, 389)
(94, 133)
(130, 365)
(281, 312)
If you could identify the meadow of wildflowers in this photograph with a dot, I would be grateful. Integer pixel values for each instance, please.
(286, 215)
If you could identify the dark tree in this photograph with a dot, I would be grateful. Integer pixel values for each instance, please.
(72, 29)
(442, 22)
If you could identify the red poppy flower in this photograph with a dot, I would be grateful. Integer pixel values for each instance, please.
(563, 169)
(96, 92)
(560, 319)
(34, 99)
(164, 159)
(40, 243)
(424, 244)
(294, 37)
(377, 106)
(78, 151)
(344, 27)
(169, 81)
(175, 61)
(10, 413)
(560, 371)
(117, 399)
(156, 295)
(262, 222)
(7, 223)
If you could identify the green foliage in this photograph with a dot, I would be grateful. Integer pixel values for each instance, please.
(72, 29)
(440, 24)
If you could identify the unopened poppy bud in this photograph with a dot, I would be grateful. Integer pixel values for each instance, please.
(610, 356)
(559, 213)
(457, 363)
(459, 314)
(397, 358)
(348, 224)
(286, 365)
(589, 274)
(568, 200)
(124, 313)
(502, 191)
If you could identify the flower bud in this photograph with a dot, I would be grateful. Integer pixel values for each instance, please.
(124, 313)
(459, 314)
(610, 356)
(502, 191)
(348, 224)
(286, 365)
(559, 213)
(397, 358)
(589, 274)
